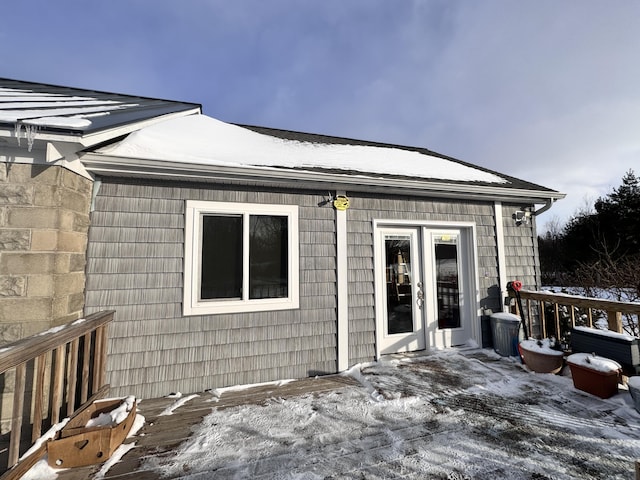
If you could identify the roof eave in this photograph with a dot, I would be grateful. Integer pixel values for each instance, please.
(97, 137)
(101, 164)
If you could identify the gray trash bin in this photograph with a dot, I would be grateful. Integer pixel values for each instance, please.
(505, 328)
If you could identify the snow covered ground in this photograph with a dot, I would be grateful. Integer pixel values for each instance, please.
(457, 414)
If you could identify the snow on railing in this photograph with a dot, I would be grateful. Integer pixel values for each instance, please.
(554, 314)
(56, 373)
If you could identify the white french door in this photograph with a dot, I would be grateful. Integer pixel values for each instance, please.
(400, 323)
(425, 277)
(449, 309)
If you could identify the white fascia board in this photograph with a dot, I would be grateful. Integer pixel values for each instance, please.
(7, 132)
(11, 153)
(60, 154)
(102, 164)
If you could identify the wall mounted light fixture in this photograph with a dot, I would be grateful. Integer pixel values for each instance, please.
(521, 217)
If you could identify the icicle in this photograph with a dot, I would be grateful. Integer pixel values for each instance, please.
(31, 131)
(17, 129)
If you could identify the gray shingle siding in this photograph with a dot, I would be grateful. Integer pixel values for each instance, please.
(521, 249)
(135, 266)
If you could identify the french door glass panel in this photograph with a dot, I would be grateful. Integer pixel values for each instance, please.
(400, 324)
(447, 270)
(448, 304)
(399, 289)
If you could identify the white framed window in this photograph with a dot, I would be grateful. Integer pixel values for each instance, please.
(240, 257)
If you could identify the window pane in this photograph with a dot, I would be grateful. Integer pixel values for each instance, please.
(399, 294)
(221, 257)
(268, 257)
(448, 283)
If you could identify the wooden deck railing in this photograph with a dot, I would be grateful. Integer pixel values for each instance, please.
(567, 311)
(56, 372)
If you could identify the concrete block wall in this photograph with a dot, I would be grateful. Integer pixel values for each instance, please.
(44, 220)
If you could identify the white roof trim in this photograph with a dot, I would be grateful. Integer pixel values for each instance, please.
(102, 164)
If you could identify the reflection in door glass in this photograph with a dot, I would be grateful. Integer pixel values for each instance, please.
(447, 281)
(398, 279)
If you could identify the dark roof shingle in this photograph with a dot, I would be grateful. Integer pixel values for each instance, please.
(74, 111)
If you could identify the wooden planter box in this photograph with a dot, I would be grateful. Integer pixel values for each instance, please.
(79, 446)
(540, 359)
(620, 347)
(595, 375)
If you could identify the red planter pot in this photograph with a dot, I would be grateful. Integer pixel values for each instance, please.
(595, 375)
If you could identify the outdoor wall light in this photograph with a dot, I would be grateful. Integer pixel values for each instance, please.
(521, 216)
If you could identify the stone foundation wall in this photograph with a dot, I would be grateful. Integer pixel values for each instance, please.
(44, 220)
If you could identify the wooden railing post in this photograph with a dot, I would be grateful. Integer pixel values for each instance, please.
(18, 407)
(73, 376)
(101, 357)
(61, 347)
(58, 380)
(543, 320)
(38, 376)
(573, 315)
(84, 380)
(97, 359)
(614, 319)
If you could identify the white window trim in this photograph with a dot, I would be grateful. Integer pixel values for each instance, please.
(191, 305)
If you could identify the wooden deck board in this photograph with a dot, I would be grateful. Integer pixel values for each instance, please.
(161, 434)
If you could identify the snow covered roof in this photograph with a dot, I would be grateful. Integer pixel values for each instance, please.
(202, 140)
(192, 145)
(171, 140)
(73, 111)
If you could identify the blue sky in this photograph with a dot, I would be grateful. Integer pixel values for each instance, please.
(548, 91)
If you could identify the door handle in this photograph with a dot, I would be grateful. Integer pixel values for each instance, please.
(420, 295)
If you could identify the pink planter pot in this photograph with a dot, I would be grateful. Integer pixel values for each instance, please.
(595, 375)
(541, 361)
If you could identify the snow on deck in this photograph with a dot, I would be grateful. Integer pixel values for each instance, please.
(450, 414)
(199, 139)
